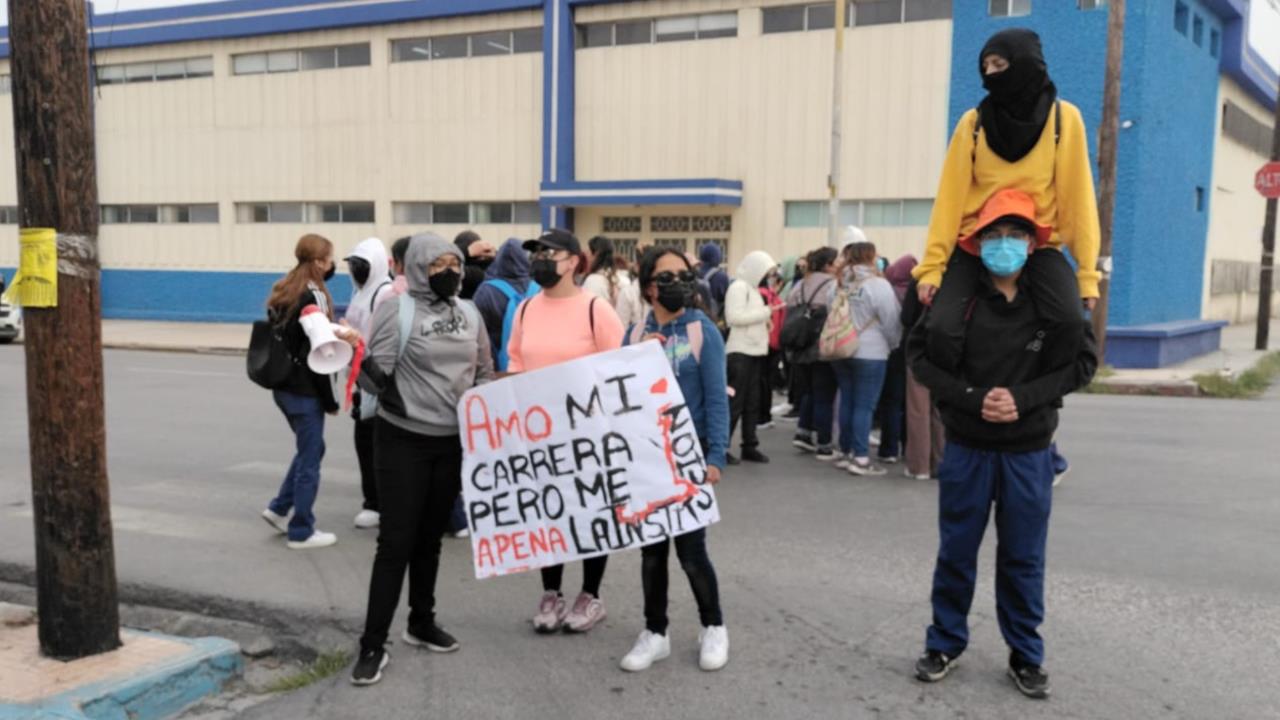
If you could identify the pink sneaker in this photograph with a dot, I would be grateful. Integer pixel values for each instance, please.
(587, 611)
(551, 612)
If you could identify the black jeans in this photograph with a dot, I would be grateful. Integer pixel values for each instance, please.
(691, 549)
(364, 455)
(893, 407)
(744, 378)
(1054, 290)
(818, 406)
(770, 377)
(418, 478)
(592, 575)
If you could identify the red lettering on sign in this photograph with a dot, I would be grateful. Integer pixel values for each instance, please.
(482, 424)
(536, 435)
(510, 427)
(519, 545)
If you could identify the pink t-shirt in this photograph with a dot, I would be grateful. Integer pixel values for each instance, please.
(555, 330)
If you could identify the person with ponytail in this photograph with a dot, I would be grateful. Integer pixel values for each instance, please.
(604, 280)
(306, 397)
(1021, 137)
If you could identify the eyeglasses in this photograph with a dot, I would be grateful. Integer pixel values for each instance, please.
(1014, 233)
(547, 253)
(670, 278)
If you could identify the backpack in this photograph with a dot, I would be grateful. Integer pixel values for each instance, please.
(803, 323)
(693, 330)
(514, 300)
(840, 334)
(269, 361)
(368, 400)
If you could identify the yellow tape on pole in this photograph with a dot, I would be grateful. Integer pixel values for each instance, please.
(36, 283)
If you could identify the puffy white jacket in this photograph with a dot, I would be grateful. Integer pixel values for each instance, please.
(744, 308)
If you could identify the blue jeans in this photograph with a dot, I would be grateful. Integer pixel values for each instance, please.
(816, 407)
(860, 382)
(302, 482)
(1020, 485)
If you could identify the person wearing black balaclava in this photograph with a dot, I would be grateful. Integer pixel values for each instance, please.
(425, 349)
(1021, 136)
(478, 255)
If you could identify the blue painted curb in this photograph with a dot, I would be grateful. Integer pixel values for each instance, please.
(153, 693)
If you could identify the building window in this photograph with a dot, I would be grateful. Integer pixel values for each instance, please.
(863, 213)
(1215, 43)
(501, 42)
(668, 29)
(1240, 126)
(712, 223)
(822, 16)
(1181, 17)
(466, 213)
(680, 244)
(317, 58)
(297, 212)
(166, 214)
(1008, 8)
(626, 248)
(1197, 31)
(1199, 199)
(154, 71)
(1091, 4)
(876, 12)
(629, 224)
(8, 213)
(669, 224)
(917, 10)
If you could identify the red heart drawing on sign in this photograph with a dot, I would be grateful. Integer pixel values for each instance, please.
(659, 387)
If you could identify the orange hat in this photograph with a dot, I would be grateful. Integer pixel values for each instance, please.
(1007, 203)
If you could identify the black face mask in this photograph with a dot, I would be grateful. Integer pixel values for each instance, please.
(675, 297)
(481, 262)
(545, 272)
(328, 274)
(445, 283)
(359, 270)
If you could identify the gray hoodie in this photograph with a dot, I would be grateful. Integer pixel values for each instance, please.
(447, 353)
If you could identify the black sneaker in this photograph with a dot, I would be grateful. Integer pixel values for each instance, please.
(933, 665)
(730, 459)
(753, 455)
(1031, 680)
(369, 666)
(433, 637)
(804, 441)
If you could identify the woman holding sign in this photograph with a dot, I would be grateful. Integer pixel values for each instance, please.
(425, 350)
(562, 323)
(695, 349)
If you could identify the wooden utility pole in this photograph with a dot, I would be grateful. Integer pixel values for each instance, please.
(1268, 250)
(1108, 137)
(57, 188)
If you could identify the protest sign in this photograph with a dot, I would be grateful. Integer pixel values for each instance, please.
(580, 459)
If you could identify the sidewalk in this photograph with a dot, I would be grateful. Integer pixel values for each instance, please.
(219, 338)
(1234, 357)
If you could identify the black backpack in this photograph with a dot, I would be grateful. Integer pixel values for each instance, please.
(269, 362)
(802, 325)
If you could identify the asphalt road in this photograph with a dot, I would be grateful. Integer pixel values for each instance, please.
(1163, 569)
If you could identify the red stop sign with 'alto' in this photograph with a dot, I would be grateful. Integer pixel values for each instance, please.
(1267, 181)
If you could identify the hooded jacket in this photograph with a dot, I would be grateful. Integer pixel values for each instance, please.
(446, 355)
(511, 265)
(375, 289)
(711, 257)
(703, 380)
(876, 314)
(744, 308)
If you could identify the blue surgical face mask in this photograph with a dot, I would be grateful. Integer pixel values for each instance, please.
(1004, 256)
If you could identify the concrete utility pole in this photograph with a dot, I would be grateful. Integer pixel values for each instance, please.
(1268, 250)
(1108, 136)
(837, 101)
(57, 188)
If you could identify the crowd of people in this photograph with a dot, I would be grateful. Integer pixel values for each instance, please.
(878, 362)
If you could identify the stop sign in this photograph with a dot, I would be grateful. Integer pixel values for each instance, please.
(1267, 181)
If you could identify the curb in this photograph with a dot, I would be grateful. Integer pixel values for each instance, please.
(160, 347)
(1170, 388)
(157, 691)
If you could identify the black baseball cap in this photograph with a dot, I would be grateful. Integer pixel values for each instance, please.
(556, 239)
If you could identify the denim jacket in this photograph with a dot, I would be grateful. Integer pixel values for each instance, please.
(702, 379)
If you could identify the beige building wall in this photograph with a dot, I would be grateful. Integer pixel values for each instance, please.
(466, 129)
(757, 108)
(1236, 211)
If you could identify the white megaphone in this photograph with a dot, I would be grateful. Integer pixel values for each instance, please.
(329, 354)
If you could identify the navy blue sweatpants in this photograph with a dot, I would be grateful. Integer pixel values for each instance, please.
(1021, 487)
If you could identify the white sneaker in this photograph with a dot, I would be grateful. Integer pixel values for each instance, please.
(368, 519)
(715, 648)
(914, 476)
(767, 425)
(649, 649)
(864, 467)
(279, 522)
(842, 462)
(463, 533)
(317, 540)
(874, 438)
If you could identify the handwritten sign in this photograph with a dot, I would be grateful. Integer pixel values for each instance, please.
(580, 459)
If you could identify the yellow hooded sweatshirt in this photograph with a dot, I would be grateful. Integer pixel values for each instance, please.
(1057, 175)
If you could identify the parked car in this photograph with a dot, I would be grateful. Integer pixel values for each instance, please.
(10, 320)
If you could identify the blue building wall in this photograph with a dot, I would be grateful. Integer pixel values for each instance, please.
(192, 296)
(1169, 93)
